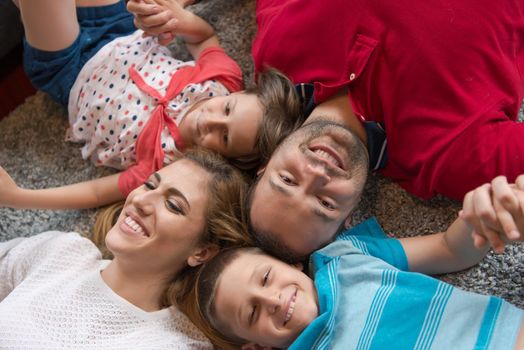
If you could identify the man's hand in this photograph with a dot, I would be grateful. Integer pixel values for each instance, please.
(495, 212)
(8, 189)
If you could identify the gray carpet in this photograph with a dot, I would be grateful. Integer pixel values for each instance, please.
(33, 151)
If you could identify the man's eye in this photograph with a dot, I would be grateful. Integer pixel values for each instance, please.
(287, 180)
(326, 204)
(225, 138)
(174, 207)
(149, 185)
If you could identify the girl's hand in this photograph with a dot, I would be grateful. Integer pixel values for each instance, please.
(8, 189)
(156, 18)
(495, 212)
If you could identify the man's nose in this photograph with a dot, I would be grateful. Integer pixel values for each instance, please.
(315, 176)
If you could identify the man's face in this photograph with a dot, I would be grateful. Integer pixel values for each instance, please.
(308, 188)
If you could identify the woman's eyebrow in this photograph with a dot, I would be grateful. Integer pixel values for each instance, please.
(174, 191)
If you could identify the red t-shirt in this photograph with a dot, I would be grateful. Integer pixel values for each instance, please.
(446, 78)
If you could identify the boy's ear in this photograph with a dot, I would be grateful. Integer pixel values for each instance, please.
(253, 346)
(347, 222)
(202, 254)
(298, 266)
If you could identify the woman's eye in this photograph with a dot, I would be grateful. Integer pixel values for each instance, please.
(326, 204)
(174, 207)
(149, 185)
(287, 180)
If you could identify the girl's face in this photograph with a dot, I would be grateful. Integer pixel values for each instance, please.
(162, 221)
(264, 300)
(227, 125)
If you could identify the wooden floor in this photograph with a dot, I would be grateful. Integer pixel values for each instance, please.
(14, 85)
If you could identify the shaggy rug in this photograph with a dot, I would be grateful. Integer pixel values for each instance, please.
(33, 151)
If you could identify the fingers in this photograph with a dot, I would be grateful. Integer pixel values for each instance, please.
(143, 8)
(507, 206)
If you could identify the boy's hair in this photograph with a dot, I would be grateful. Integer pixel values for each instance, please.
(205, 292)
(223, 218)
(282, 114)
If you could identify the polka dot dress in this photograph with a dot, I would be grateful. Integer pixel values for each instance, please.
(107, 111)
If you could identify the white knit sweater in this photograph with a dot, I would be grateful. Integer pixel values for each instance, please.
(53, 297)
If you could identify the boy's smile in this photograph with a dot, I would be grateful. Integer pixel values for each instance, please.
(264, 300)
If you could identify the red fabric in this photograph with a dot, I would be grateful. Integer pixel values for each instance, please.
(213, 63)
(446, 78)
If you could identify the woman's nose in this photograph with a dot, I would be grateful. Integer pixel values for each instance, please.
(144, 202)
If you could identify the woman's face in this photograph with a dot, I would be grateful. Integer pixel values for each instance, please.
(162, 221)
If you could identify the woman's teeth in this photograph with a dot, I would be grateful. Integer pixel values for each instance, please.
(135, 226)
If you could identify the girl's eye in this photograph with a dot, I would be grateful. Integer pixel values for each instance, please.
(287, 180)
(266, 277)
(227, 109)
(326, 204)
(174, 207)
(149, 185)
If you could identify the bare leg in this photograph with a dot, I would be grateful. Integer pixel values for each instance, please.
(50, 25)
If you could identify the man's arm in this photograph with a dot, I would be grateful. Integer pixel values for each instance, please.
(88, 194)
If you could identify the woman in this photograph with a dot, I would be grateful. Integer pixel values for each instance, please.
(58, 292)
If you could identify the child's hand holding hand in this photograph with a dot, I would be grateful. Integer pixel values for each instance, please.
(495, 212)
(8, 189)
(157, 17)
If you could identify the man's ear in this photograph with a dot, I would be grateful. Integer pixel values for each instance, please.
(261, 170)
(253, 346)
(202, 254)
(347, 222)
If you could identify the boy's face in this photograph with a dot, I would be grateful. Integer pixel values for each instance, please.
(226, 124)
(264, 300)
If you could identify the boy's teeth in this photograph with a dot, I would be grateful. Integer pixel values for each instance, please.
(291, 309)
(134, 225)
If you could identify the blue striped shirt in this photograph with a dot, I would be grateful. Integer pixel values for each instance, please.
(368, 300)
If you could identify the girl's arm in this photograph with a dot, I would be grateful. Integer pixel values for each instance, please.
(164, 17)
(88, 194)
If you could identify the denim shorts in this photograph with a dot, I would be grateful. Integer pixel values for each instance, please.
(55, 72)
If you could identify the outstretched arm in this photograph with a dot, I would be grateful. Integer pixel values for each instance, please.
(89, 194)
(460, 246)
(165, 17)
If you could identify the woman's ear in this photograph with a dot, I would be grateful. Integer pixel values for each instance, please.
(253, 346)
(261, 170)
(202, 254)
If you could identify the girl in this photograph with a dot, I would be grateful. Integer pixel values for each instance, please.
(365, 294)
(58, 292)
(134, 105)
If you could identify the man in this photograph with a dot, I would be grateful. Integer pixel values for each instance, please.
(445, 79)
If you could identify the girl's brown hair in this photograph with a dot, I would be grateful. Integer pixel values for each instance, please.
(223, 221)
(282, 114)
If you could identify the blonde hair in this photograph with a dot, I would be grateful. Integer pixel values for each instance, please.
(223, 221)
